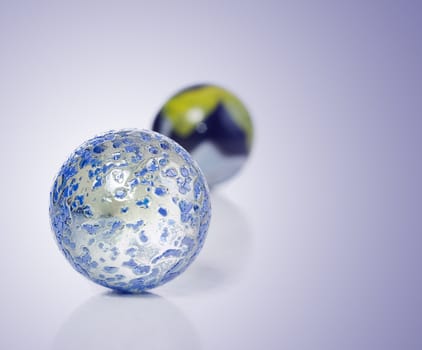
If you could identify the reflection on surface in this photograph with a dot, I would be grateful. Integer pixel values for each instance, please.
(117, 321)
(226, 252)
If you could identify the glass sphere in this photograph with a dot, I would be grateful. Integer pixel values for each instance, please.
(213, 125)
(130, 210)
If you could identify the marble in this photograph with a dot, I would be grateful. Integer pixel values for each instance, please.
(130, 209)
(211, 123)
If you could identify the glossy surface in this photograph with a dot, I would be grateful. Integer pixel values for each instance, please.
(130, 210)
(330, 195)
(213, 125)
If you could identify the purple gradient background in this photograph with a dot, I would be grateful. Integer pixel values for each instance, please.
(315, 245)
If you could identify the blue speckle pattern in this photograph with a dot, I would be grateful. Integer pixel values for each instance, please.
(130, 210)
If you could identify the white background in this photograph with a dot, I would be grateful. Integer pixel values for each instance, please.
(314, 245)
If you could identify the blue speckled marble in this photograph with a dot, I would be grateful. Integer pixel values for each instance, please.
(130, 210)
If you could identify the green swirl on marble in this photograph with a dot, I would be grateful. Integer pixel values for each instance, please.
(190, 107)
